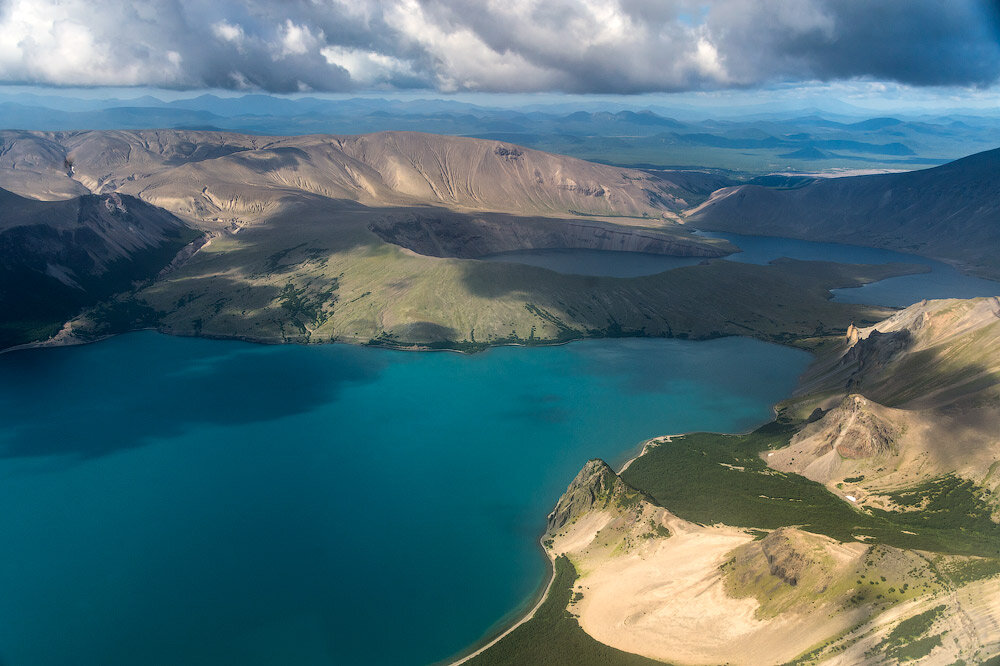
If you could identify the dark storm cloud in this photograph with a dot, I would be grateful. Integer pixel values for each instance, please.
(586, 46)
(917, 42)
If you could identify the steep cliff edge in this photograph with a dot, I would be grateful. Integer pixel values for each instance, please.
(599, 513)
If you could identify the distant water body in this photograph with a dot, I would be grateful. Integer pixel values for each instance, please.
(943, 281)
(185, 501)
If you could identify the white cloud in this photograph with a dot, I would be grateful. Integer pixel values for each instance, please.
(58, 43)
(297, 39)
(461, 58)
(228, 32)
(495, 45)
(366, 67)
(706, 60)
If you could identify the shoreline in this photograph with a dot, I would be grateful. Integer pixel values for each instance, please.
(646, 445)
(69, 340)
(660, 439)
(522, 619)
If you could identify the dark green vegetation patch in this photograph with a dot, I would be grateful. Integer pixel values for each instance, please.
(553, 637)
(710, 478)
(907, 641)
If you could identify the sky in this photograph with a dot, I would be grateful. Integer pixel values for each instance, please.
(929, 48)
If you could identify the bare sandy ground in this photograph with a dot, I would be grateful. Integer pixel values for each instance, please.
(654, 604)
(668, 600)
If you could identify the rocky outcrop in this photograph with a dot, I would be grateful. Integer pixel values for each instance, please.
(597, 486)
(445, 234)
(784, 560)
(854, 438)
(869, 354)
(852, 335)
(857, 428)
(786, 568)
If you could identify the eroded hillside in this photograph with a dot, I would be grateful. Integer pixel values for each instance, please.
(216, 176)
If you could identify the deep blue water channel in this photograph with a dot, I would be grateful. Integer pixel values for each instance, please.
(185, 501)
(942, 280)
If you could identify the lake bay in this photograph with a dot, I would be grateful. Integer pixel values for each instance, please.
(187, 501)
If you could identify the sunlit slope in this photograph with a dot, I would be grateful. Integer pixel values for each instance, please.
(299, 283)
(913, 409)
(950, 212)
(217, 176)
(307, 237)
(646, 581)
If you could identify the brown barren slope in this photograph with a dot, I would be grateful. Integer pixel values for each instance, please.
(950, 212)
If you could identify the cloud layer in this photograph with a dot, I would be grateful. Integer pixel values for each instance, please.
(581, 46)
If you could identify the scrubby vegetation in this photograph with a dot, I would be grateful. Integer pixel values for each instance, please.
(553, 637)
(711, 478)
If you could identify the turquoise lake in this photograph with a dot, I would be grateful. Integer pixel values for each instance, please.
(185, 501)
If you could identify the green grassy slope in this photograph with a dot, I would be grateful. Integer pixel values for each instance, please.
(324, 276)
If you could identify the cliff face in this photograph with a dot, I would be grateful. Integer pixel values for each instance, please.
(596, 487)
(867, 355)
(929, 355)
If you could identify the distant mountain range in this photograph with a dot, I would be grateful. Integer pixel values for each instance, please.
(755, 143)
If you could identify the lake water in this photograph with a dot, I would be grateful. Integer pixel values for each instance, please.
(943, 281)
(185, 501)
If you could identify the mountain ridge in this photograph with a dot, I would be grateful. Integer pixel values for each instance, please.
(949, 212)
